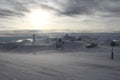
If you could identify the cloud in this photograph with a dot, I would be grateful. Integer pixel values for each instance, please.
(6, 13)
(79, 7)
(12, 8)
(98, 12)
(66, 7)
(48, 7)
(87, 7)
(111, 7)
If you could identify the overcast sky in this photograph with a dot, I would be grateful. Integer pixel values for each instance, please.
(76, 15)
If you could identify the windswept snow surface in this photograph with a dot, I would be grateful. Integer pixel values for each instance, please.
(60, 65)
(74, 62)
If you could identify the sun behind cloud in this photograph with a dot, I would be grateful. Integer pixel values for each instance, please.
(39, 18)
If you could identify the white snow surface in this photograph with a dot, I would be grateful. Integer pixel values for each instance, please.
(74, 62)
(59, 65)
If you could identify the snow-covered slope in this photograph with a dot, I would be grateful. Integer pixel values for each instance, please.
(52, 65)
(74, 62)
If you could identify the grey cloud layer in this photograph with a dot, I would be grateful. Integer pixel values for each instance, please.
(76, 7)
(11, 8)
(88, 7)
(67, 7)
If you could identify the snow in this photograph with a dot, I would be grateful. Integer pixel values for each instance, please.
(74, 62)
(58, 66)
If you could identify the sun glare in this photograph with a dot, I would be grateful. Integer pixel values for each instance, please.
(39, 18)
